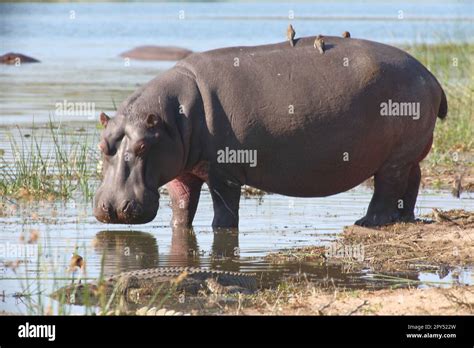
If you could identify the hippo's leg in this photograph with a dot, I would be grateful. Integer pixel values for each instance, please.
(225, 199)
(390, 191)
(411, 193)
(184, 192)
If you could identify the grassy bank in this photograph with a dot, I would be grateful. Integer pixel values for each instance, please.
(452, 66)
(452, 155)
(49, 163)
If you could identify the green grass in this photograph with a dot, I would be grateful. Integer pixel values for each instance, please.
(66, 167)
(451, 63)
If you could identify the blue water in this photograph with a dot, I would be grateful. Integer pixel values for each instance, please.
(79, 44)
(103, 30)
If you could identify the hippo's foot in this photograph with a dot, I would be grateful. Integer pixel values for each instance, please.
(396, 190)
(380, 219)
(407, 217)
(374, 220)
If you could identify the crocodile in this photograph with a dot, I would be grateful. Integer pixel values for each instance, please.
(140, 286)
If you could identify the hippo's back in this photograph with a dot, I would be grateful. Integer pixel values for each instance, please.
(277, 76)
(311, 108)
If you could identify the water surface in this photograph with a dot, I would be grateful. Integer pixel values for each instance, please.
(79, 50)
(79, 46)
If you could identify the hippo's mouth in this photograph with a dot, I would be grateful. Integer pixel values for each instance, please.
(129, 211)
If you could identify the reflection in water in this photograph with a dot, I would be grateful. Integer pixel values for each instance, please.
(126, 250)
(225, 249)
(131, 250)
(184, 250)
(226, 243)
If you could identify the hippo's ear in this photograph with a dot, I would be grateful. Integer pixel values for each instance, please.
(153, 120)
(104, 119)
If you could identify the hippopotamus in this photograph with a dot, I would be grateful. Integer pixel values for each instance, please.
(157, 53)
(282, 119)
(13, 58)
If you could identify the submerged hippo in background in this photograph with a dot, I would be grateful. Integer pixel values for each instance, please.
(316, 124)
(157, 53)
(14, 58)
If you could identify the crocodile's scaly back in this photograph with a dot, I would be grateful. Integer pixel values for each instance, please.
(181, 274)
(139, 284)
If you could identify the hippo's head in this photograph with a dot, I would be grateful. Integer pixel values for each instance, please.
(140, 153)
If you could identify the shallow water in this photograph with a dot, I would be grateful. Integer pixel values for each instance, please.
(269, 224)
(80, 63)
(80, 56)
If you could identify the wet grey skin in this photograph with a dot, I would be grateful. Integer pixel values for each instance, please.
(141, 285)
(14, 58)
(314, 121)
(157, 53)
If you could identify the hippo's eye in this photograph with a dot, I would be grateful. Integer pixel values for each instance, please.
(141, 148)
(153, 120)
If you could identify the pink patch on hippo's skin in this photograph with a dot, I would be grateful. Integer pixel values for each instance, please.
(182, 185)
(184, 193)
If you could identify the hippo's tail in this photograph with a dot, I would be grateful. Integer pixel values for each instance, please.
(443, 106)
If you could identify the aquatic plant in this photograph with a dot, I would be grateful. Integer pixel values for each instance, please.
(56, 168)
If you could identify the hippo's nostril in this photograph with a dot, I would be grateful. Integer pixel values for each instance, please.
(126, 206)
(104, 212)
(104, 207)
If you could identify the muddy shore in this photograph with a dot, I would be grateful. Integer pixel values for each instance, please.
(445, 239)
(412, 301)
